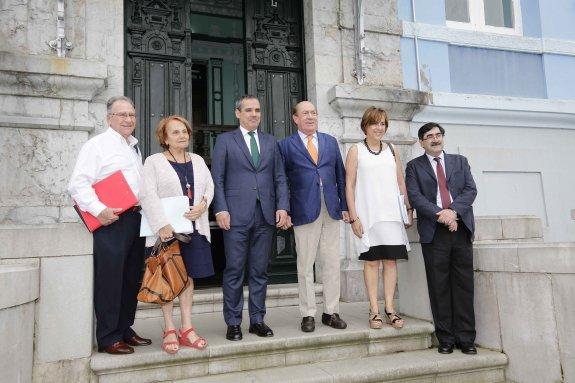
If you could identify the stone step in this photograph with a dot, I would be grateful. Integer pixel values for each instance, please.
(501, 229)
(415, 366)
(525, 257)
(211, 300)
(288, 347)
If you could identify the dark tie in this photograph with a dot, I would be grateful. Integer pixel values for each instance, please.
(443, 191)
(254, 149)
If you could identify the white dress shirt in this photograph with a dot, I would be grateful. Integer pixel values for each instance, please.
(434, 167)
(99, 157)
(303, 137)
(247, 139)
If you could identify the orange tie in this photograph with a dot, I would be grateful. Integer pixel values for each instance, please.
(312, 149)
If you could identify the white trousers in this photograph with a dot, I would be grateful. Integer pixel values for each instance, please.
(318, 241)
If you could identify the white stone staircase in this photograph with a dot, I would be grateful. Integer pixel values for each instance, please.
(356, 354)
(326, 355)
(210, 300)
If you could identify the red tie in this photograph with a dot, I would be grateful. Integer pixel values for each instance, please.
(443, 191)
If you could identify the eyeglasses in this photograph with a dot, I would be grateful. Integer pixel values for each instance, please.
(123, 115)
(433, 136)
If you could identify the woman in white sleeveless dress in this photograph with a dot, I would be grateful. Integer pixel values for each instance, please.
(374, 180)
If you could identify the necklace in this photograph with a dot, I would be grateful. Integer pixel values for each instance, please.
(371, 151)
(188, 186)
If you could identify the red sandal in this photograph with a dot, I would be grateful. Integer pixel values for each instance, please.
(166, 344)
(184, 341)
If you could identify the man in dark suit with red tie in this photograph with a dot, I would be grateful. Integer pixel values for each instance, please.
(441, 189)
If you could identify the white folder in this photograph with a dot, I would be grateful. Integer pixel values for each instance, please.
(174, 208)
(402, 209)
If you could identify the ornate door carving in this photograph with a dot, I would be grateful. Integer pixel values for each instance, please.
(275, 73)
(275, 60)
(159, 75)
(158, 70)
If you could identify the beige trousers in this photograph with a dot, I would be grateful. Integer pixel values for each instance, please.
(320, 237)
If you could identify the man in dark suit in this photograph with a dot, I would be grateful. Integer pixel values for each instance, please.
(251, 199)
(442, 190)
(316, 177)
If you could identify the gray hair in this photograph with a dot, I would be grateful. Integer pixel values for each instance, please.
(112, 100)
(244, 97)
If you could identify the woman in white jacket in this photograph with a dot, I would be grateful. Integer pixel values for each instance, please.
(176, 172)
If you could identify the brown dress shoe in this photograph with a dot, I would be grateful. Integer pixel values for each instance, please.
(118, 348)
(138, 341)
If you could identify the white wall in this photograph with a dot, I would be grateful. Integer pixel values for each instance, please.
(520, 152)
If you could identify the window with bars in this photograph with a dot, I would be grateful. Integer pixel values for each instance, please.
(498, 16)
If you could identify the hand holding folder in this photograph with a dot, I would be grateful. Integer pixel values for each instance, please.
(114, 192)
(174, 209)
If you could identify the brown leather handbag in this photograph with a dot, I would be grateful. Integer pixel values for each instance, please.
(165, 276)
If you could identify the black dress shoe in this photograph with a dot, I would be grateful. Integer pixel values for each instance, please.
(308, 324)
(467, 348)
(333, 320)
(234, 333)
(137, 340)
(445, 348)
(261, 329)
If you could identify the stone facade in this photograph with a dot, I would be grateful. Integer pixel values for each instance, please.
(51, 106)
(522, 287)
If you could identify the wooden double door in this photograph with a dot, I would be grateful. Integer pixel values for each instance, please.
(195, 58)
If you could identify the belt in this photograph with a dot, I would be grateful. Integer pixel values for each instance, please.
(136, 208)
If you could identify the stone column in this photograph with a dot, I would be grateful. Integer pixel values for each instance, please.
(351, 101)
(50, 107)
(331, 64)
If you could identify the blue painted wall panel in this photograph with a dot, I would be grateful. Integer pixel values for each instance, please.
(560, 76)
(430, 12)
(434, 66)
(404, 10)
(531, 19)
(502, 73)
(408, 63)
(557, 19)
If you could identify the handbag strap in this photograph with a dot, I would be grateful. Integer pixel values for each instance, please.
(177, 236)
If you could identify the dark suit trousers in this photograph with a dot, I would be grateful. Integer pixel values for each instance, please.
(449, 269)
(251, 243)
(118, 266)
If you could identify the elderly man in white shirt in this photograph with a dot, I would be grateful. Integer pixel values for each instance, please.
(118, 247)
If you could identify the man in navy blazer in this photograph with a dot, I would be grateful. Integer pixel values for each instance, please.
(250, 200)
(316, 177)
(441, 189)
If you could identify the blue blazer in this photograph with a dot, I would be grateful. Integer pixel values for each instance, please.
(238, 184)
(304, 178)
(422, 191)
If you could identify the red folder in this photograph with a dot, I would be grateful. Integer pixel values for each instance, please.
(113, 191)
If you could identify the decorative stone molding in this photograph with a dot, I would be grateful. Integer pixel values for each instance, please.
(351, 100)
(66, 86)
(453, 108)
(11, 62)
(477, 39)
(50, 85)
